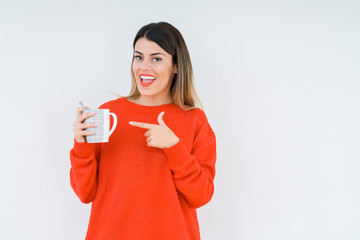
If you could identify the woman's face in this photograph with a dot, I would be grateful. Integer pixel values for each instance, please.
(153, 70)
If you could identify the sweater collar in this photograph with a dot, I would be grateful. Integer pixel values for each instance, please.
(150, 109)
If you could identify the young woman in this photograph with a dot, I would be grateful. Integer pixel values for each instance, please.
(159, 164)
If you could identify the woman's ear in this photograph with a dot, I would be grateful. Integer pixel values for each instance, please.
(175, 70)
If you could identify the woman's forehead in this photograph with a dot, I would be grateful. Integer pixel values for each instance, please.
(147, 47)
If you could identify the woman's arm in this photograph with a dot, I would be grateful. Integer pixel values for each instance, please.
(194, 171)
(84, 159)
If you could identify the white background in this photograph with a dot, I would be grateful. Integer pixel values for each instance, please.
(279, 81)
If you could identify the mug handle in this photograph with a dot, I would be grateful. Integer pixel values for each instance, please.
(113, 126)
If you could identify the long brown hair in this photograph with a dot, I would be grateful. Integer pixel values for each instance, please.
(182, 90)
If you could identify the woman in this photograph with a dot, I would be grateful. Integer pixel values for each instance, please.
(159, 164)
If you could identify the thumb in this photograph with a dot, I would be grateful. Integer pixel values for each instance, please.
(160, 119)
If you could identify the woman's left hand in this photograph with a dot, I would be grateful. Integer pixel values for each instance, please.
(159, 136)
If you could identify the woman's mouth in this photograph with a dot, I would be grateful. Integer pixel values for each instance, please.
(146, 79)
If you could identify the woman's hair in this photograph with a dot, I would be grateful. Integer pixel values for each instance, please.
(182, 89)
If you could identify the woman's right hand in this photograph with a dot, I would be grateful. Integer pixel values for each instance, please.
(79, 125)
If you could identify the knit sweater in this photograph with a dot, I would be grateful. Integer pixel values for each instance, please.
(142, 192)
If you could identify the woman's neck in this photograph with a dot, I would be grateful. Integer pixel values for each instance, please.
(151, 101)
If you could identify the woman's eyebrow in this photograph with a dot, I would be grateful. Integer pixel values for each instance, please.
(150, 54)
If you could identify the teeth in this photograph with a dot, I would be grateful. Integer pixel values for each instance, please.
(147, 78)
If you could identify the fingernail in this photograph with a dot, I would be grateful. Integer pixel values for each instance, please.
(131, 123)
(96, 125)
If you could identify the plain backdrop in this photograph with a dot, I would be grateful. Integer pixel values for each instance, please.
(279, 81)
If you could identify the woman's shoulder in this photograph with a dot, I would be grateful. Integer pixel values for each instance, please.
(195, 111)
(202, 125)
(111, 103)
(195, 114)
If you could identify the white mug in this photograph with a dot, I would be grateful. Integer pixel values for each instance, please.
(102, 119)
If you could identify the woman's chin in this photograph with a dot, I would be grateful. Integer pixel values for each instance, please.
(145, 93)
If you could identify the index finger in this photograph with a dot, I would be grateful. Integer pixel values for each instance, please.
(80, 110)
(142, 125)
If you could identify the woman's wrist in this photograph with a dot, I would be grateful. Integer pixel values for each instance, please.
(174, 142)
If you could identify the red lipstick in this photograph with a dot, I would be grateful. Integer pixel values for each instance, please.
(146, 79)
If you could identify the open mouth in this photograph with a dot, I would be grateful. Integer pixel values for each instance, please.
(146, 79)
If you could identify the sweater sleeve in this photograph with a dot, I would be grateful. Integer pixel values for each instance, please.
(194, 171)
(84, 158)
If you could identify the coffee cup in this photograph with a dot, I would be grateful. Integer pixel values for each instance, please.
(102, 131)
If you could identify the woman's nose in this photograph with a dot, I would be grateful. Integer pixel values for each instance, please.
(145, 65)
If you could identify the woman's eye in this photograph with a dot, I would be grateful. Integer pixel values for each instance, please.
(137, 57)
(157, 59)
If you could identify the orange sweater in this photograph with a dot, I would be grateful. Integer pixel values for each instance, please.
(141, 192)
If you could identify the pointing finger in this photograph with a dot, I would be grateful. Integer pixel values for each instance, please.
(142, 125)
